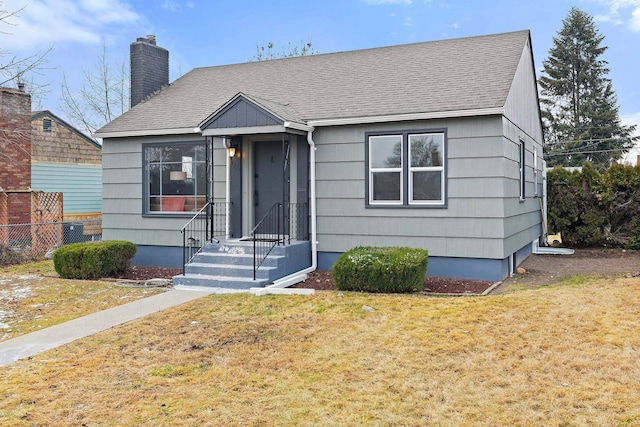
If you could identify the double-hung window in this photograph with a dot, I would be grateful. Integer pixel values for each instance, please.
(406, 169)
(174, 177)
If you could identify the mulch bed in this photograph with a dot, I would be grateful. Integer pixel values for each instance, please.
(321, 280)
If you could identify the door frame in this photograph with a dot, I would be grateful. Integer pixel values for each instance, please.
(248, 174)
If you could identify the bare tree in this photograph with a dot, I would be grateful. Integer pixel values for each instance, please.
(104, 95)
(267, 52)
(20, 70)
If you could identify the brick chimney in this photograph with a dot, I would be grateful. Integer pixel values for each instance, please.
(149, 68)
(15, 152)
(15, 139)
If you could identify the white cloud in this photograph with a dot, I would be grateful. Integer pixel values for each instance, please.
(45, 22)
(632, 119)
(408, 22)
(608, 18)
(621, 12)
(376, 2)
(635, 19)
(170, 5)
(174, 6)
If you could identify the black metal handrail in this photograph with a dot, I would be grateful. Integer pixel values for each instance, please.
(298, 222)
(206, 226)
(267, 233)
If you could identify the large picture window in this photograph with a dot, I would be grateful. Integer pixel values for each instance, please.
(175, 177)
(406, 169)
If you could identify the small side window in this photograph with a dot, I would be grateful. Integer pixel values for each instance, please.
(522, 170)
(46, 125)
(535, 171)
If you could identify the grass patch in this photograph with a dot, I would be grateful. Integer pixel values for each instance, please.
(31, 298)
(559, 355)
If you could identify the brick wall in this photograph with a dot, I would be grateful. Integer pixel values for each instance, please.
(19, 203)
(61, 144)
(15, 140)
(149, 68)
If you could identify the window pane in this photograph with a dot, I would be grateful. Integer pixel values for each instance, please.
(427, 185)
(426, 150)
(386, 186)
(176, 178)
(153, 154)
(154, 179)
(385, 151)
(201, 178)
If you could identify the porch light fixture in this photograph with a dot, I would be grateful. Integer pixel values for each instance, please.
(230, 146)
(177, 176)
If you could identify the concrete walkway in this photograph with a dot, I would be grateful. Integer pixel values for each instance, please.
(31, 344)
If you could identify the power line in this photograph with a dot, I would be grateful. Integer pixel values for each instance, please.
(584, 152)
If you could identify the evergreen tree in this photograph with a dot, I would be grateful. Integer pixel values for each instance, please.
(579, 106)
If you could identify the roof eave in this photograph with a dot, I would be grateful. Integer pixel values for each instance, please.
(407, 117)
(146, 132)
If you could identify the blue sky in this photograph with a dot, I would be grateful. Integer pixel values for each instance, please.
(201, 33)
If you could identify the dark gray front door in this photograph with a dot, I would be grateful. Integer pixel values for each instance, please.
(270, 172)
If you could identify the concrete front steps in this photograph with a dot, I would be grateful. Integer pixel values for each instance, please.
(229, 264)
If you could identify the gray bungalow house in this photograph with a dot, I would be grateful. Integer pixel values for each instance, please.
(272, 169)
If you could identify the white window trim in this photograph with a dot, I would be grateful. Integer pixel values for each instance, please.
(427, 169)
(406, 172)
(373, 170)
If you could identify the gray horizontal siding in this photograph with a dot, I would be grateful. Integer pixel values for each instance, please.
(122, 196)
(442, 246)
(483, 189)
(523, 219)
(458, 208)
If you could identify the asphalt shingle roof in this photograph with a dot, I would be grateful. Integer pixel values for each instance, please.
(446, 75)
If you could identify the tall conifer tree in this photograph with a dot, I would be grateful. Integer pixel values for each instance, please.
(579, 106)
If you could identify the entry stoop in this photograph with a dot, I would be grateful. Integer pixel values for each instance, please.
(229, 264)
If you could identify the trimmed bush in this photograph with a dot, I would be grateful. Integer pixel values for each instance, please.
(381, 269)
(93, 260)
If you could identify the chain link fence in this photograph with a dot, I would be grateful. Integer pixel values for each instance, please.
(36, 240)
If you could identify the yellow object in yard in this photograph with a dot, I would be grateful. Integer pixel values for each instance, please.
(554, 239)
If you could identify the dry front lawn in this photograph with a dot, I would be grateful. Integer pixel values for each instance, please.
(562, 355)
(33, 298)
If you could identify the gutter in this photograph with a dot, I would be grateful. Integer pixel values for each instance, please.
(279, 286)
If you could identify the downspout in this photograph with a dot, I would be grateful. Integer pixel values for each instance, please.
(227, 198)
(299, 276)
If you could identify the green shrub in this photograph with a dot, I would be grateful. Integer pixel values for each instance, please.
(634, 237)
(593, 209)
(93, 260)
(381, 269)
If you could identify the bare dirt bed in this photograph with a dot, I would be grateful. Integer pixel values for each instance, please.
(540, 270)
(545, 269)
